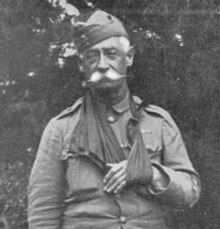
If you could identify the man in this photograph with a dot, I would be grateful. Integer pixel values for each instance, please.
(108, 161)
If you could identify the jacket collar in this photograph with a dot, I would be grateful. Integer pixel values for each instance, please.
(122, 105)
(119, 107)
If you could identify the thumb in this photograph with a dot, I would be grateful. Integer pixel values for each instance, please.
(109, 165)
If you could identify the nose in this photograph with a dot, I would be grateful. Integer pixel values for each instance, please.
(103, 63)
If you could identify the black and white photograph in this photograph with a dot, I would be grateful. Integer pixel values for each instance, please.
(110, 114)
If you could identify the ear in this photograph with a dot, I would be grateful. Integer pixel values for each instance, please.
(130, 56)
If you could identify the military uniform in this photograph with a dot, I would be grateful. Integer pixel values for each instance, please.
(66, 183)
(67, 192)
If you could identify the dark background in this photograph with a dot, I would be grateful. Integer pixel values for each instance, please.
(177, 66)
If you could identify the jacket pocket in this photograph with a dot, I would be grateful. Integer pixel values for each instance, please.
(151, 142)
(81, 174)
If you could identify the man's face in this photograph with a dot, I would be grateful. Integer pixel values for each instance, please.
(105, 64)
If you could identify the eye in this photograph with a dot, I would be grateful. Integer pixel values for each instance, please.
(91, 56)
(111, 53)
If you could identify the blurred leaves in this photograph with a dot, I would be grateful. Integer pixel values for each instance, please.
(13, 192)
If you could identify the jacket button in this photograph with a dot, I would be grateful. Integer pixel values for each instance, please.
(123, 219)
(111, 119)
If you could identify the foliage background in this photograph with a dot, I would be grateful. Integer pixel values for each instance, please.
(177, 66)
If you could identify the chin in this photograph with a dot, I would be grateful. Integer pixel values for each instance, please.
(107, 86)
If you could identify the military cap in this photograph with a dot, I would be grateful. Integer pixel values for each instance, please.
(94, 27)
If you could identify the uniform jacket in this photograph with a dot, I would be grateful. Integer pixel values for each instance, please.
(66, 192)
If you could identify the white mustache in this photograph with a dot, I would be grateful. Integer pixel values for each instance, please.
(112, 75)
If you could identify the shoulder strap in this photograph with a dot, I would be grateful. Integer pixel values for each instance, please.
(71, 109)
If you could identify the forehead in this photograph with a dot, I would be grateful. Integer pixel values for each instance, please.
(112, 42)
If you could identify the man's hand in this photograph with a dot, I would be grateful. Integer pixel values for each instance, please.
(115, 179)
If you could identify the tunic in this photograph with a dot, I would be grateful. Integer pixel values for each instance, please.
(67, 192)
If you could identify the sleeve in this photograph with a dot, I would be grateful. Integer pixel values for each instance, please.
(45, 191)
(174, 181)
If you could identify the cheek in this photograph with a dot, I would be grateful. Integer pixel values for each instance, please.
(89, 70)
(88, 67)
(120, 65)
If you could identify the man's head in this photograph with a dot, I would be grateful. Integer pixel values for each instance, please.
(104, 50)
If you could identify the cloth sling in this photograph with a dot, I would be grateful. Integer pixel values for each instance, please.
(93, 137)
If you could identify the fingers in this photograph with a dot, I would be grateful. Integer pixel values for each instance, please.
(114, 182)
(114, 168)
(115, 179)
(120, 187)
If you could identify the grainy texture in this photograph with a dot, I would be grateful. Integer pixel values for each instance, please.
(176, 66)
